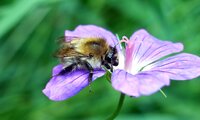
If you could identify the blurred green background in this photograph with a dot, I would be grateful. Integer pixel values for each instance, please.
(29, 29)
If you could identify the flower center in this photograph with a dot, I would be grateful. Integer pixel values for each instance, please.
(130, 62)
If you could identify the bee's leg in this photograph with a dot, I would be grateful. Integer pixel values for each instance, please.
(91, 70)
(67, 69)
(105, 64)
(111, 68)
(108, 66)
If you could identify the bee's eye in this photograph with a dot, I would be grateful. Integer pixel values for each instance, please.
(108, 58)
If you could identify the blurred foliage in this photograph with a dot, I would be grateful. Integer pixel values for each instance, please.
(29, 29)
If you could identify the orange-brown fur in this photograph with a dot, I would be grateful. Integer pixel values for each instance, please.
(95, 47)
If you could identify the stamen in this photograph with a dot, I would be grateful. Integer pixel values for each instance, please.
(124, 39)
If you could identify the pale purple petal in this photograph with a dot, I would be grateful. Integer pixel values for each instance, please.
(92, 31)
(179, 67)
(144, 49)
(57, 69)
(144, 83)
(65, 86)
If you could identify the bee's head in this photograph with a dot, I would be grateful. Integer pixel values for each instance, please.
(112, 56)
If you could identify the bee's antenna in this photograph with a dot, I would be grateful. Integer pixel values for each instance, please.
(116, 45)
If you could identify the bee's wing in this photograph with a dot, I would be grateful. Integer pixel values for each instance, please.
(69, 48)
(64, 39)
(68, 41)
(68, 52)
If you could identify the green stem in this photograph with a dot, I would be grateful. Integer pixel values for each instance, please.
(120, 103)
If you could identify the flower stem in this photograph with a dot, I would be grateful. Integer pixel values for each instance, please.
(116, 112)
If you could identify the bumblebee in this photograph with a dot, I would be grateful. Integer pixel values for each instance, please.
(88, 54)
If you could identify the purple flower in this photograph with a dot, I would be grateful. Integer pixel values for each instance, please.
(144, 72)
(65, 86)
(139, 72)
